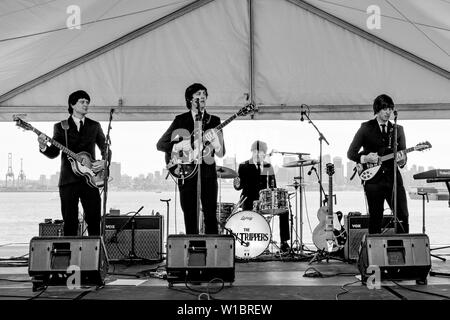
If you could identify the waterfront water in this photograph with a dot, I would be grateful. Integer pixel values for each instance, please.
(21, 212)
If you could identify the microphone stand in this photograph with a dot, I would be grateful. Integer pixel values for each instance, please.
(199, 128)
(106, 169)
(394, 190)
(321, 138)
(320, 186)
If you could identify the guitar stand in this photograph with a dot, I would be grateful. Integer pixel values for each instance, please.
(322, 254)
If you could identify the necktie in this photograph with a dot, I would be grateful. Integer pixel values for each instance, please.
(259, 167)
(81, 126)
(383, 130)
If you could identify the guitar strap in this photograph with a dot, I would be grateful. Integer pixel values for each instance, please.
(65, 126)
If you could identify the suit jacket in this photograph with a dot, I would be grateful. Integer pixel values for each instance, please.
(183, 125)
(86, 140)
(370, 139)
(251, 181)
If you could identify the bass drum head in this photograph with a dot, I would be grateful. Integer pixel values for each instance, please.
(252, 232)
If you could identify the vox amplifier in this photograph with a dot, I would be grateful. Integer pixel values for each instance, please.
(398, 257)
(200, 258)
(357, 226)
(51, 258)
(138, 237)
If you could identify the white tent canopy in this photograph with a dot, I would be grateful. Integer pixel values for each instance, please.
(139, 56)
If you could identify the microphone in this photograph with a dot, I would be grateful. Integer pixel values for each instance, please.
(301, 113)
(272, 152)
(112, 110)
(311, 170)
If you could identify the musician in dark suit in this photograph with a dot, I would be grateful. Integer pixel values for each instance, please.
(83, 134)
(177, 138)
(376, 138)
(255, 175)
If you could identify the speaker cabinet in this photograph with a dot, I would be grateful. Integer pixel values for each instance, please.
(141, 234)
(357, 226)
(200, 258)
(399, 257)
(51, 257)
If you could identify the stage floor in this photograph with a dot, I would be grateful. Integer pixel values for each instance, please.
(269, 277)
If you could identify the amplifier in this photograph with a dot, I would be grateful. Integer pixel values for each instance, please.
(50, 258)
(141, 234)
(399, 257)
(357, 226)
(51, 229)
(56, 228)
(200, 258)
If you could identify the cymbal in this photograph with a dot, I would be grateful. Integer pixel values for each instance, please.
(296, 185)
(225, 173)
(300, 163)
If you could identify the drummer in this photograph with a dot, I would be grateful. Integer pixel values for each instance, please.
(255, 175)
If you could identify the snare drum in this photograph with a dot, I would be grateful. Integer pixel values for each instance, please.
(273, 201)
(252, 232)
(226, 208)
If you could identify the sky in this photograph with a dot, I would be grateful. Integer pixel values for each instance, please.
(134, 143)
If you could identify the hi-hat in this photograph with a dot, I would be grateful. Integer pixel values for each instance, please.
(225, 173)
(300, 163)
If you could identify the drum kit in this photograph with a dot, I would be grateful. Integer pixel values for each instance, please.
(252, 228)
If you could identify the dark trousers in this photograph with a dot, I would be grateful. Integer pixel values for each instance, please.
(208, 196)
(70, 195)
(376, 193)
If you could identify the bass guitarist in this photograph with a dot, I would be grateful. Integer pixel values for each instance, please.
(82, 134)
(181, 138)
(376, 138)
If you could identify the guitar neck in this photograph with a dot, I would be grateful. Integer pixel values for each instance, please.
(330, 204)
(223, 124)
(58, 145)
(391, 155)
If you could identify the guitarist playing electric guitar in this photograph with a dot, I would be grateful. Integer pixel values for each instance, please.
(180, 140)
(376, 139)
(80, 135)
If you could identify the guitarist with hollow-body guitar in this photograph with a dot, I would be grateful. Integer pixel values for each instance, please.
(81, 140)
(179, 140)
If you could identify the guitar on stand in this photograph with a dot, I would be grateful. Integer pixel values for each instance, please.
(329, 236)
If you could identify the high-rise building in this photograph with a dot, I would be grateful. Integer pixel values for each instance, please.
(338, 171)
(230, 162)
(115, 172)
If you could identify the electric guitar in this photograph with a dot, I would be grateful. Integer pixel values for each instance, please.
(329, 235)
(183, 163)
(81, 162)
(367, 171)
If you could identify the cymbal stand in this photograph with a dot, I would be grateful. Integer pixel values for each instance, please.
(220, 201)
(300, 249)
(321, 139)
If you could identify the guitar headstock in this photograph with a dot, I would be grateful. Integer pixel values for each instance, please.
(21, 123)
(246, 110)
(422, 146)
(330, 169)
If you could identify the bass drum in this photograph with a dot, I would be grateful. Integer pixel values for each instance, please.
(252, 232)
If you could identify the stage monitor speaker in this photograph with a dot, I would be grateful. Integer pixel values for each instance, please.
(399, 256)
(143, 234)
(200, 258)
(357, 226)
(50, 258)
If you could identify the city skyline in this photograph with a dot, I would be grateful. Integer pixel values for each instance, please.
(140, 155)
(284, 175)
